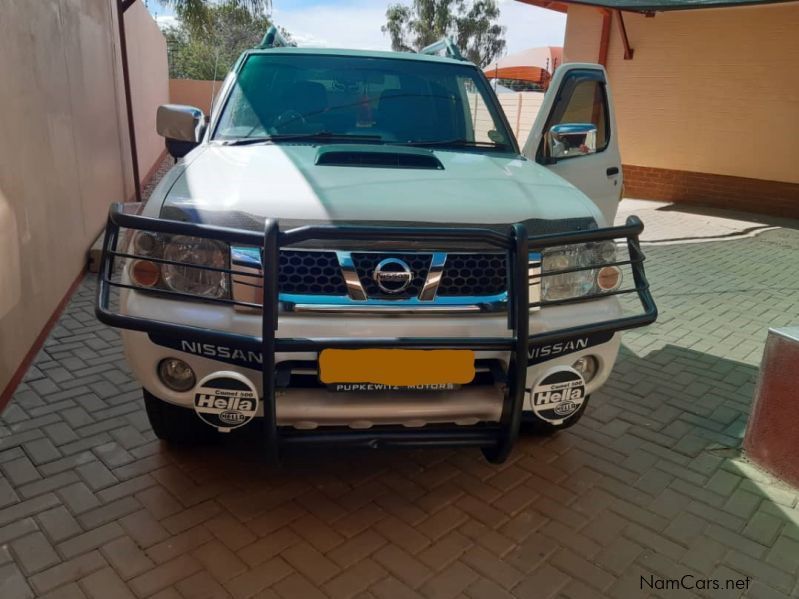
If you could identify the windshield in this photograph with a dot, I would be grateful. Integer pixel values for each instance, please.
(378, 100)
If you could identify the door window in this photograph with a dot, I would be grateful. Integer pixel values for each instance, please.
(581, 100)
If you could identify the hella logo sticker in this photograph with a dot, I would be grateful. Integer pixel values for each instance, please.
(558, 395)
(226, 400)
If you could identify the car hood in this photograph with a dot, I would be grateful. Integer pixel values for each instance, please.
(242, 186)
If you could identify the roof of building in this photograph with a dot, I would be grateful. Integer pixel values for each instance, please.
(649, 5)
(532, 64)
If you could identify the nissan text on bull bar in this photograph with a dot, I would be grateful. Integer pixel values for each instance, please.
(353, 250)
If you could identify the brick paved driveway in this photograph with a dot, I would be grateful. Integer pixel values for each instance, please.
(650, 483)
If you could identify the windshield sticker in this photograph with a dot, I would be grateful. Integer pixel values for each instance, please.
(558, 395)
(541, 353)
(226, 400)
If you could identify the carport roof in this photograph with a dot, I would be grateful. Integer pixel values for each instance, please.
(649, 5)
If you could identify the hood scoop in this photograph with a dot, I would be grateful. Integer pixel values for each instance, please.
(369, 156)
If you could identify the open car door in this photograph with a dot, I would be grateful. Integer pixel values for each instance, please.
(574, 135)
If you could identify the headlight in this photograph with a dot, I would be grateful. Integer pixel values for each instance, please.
(193, 277)
(146, 244)
(197, 281)
(590, 257)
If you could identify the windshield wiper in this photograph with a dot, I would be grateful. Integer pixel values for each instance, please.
(247, 141)
(317, 136)
(457, 143)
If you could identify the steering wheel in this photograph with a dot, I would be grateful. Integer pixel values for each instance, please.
(289, 117)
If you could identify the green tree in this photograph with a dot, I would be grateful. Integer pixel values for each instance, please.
(199, 14)
(207, 49)
(471, 23)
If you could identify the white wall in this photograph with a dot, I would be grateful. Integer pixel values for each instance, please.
(520, 109)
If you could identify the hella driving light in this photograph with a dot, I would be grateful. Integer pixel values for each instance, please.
(196, 280)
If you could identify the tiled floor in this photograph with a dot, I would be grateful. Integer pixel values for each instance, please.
(650, 483)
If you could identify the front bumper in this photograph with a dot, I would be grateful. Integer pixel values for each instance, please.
(513, 335)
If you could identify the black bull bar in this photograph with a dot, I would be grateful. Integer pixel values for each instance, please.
(496, 440)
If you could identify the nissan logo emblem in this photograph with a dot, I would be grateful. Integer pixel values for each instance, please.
(393, 275)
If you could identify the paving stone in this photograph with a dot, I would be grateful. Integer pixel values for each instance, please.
(618, 555)
(17, 529)
(742, 504)
(20, 471)
(126, 557)
(13, 583)
(34, 553)
(176, 546)
(96, 475)
(68, 591)
(7, 494)
(41, 451)
(109, 512)
(704, 555)
(144, 528)
(60, 433)
(219, 561)
(255, 580)
(760, 570)
(44, 485)
(202, 584)
(104, 584)
(58, 523)
(27, 508)
(544, 582)
(490, 566)
(164, 575)
(78, 498)
(93, 539)
(763, 528)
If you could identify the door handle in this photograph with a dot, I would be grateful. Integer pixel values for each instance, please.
(613, 170)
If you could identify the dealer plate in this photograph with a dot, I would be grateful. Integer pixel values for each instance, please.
(404, 368)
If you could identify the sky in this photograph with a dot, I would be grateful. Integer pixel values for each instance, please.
(356, 23)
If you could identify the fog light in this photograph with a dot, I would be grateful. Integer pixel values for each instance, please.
(608, 278)
(145, 273)
(176, 374)
(587, 366)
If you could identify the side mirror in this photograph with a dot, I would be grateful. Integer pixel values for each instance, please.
(571, 139)
(181, 126)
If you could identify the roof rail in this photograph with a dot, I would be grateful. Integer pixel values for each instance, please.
(273, 39)
(445, 43)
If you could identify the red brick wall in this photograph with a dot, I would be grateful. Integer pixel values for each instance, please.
(735, 193)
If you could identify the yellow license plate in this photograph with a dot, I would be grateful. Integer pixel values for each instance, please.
(397, 367)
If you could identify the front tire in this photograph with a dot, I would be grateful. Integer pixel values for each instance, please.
(174, 424)
(533, 425)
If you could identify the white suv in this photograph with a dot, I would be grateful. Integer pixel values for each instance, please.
(353, 250)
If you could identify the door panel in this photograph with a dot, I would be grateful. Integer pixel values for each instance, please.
(578, 95)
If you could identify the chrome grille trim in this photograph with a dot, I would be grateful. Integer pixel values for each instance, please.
(434, 274)
(355, 288)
